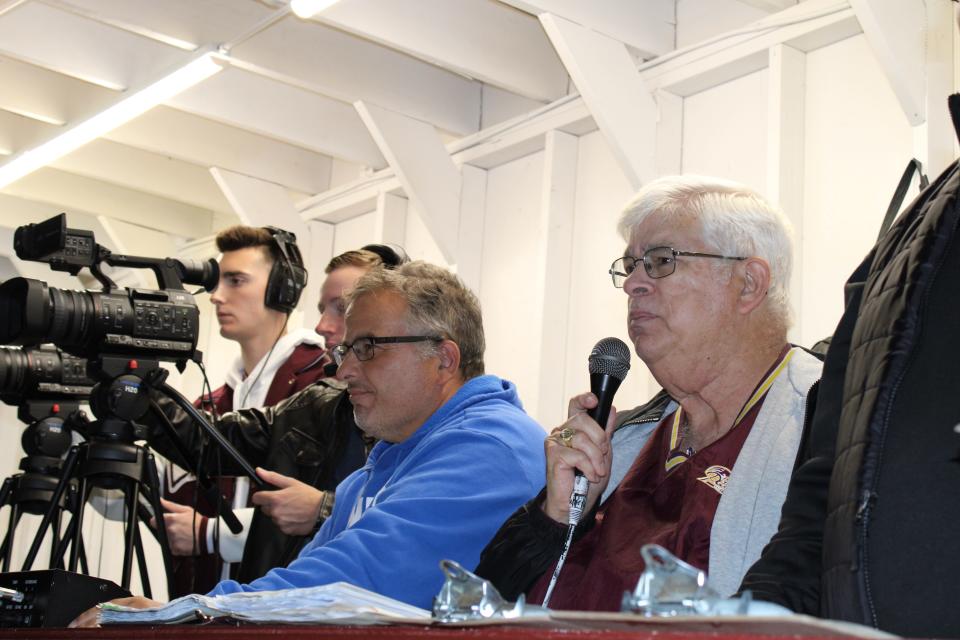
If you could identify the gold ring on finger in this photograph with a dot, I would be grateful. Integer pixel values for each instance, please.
(566, 436)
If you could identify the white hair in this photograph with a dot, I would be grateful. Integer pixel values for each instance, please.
(734, 220)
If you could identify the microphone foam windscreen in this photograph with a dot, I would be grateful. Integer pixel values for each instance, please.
(610, 357)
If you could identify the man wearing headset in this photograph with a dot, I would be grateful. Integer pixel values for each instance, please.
(304, 459)
(261, 277)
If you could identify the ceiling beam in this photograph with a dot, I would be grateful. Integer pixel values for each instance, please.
(18, 133)
(185, 24)
(348, 68)
(458, 36)
(806, 27)
(211, 144)
(421, 162)
(283, 112)
(525, 134)
(47, 96)
(63, 191)
(98, 53)
(621, 104)
(771, 5)
(895, 30)
(648, 26)
(146, 171)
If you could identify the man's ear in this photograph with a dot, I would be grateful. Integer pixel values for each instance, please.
(449, 353)
(756, 283)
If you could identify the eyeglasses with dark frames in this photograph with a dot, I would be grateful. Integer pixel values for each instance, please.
(363, 348)
(658, 262)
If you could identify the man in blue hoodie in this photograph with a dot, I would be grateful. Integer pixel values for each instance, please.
(457, 454)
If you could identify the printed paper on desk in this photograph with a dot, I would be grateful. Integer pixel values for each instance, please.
(339, 603)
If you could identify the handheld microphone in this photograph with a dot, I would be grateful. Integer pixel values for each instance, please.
(609, 363)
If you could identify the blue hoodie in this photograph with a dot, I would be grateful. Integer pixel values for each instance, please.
(442, 493)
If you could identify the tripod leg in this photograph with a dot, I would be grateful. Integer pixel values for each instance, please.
(83, 493)
(5, 490)
(131, 497)
(161, 531)
(68, 466)
(73, 500)
(83, 555)
(142, 564)
(57, 562)
(8, 539)
(55, 542)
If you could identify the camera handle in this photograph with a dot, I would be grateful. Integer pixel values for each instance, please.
(208, 488)
(215, 435)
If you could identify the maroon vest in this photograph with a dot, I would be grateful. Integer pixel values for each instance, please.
(664, 499)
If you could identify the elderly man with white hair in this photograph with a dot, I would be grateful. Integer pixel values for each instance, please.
(701, 469)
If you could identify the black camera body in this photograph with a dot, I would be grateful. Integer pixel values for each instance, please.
(158, 324)
(42, 373)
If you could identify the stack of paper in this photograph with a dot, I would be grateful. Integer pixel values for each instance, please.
(338, 602)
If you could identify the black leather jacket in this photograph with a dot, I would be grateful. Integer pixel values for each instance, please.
(310, 436)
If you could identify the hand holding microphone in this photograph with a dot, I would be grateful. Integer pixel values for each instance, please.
(582, 444)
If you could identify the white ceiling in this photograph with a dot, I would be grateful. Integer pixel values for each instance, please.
(282, 111)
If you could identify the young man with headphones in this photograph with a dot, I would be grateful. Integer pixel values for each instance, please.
(261, 279)
(306, 462)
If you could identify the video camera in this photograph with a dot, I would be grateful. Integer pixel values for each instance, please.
(43, 372)
(158, 324)
(47, 386)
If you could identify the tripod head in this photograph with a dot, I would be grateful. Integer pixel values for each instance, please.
(49, 433)
(122, 397)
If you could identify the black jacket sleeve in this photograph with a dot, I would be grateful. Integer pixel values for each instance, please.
(310, 436)
(255, 433)
(525, 547)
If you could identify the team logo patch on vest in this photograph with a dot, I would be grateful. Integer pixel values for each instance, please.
(716, 478)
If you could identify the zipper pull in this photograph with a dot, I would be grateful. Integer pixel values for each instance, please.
(865, 498)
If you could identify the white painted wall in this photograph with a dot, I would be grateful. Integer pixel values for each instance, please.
(858, 142)
(597, 309)
(510, 319)
(352, 234)
(724, 131)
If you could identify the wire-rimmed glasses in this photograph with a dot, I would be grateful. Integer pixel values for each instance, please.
(658, 262)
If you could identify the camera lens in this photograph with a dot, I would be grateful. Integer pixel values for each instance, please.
(72, 316)
(13, 370)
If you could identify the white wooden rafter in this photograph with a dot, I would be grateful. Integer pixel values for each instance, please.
(424, 168)
(895, 30)
(813, 24)
(621, 104)
(648, 26)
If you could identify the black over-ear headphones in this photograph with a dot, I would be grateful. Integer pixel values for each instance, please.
(288, 276)
(392, 255)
